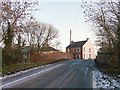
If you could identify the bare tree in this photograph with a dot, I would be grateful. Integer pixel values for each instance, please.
(105, 16)
(13, 15)
(16, 13)
(39, 34)
(56, 44)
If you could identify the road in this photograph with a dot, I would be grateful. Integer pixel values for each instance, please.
(64, 74)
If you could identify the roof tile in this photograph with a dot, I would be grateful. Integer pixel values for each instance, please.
(76, 44)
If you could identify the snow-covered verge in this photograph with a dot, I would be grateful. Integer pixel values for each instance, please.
(101, 80)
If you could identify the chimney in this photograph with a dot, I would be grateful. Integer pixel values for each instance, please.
(72, 42)
(87, 39)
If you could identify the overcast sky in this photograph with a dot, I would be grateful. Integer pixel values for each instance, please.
(65, 16)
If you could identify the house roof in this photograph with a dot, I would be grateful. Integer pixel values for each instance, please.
(48, 48)
(76, 44)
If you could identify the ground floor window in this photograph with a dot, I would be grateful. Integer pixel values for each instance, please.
(84, 56)
(68, 50)
(77, 56)
(89, 55)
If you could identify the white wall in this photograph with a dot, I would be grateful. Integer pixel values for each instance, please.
(88, 45)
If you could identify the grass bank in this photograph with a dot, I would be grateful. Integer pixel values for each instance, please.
(112, 70)
(14, 68)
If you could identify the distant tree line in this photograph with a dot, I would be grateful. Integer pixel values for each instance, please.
(19, 29)
(105, 17)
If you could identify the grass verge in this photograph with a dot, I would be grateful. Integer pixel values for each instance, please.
(111, 70)
(14, 68)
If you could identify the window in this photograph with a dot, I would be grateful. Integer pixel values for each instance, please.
(89, 55)
(73, 50)
(68, 50)
(84, 56)
(89, 49)
(77, 50)
(84, 49)
(77, 56)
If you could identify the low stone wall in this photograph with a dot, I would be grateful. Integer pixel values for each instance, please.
(46, 56)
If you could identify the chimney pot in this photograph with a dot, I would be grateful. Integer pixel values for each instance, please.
(87, 39)
(71, 42)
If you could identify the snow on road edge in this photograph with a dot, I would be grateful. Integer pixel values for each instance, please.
(21, 72)
(45, 70)
(101, 80)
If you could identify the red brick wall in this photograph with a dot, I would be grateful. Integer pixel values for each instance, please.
(50, 56)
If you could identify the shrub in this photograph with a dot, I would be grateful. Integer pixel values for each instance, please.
(11, 56)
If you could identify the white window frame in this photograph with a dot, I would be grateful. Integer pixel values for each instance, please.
(73, 50)
(77, 56)
(78, 50)
(84, 56)
(84, 49)
(68, 50)
(89, 49)
(90, 56)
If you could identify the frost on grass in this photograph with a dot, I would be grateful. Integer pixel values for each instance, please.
(101, 80)
(22, 72)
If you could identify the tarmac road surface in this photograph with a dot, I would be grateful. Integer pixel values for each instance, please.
(64, 74)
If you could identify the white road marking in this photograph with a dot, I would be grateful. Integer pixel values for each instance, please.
(30, 76)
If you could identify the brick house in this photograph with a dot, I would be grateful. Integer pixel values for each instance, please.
(81, 49)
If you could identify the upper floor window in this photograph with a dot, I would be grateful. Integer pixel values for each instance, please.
(73, 50)
(78, 50)
(84, 49)
(89, 49)
(68, 50)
